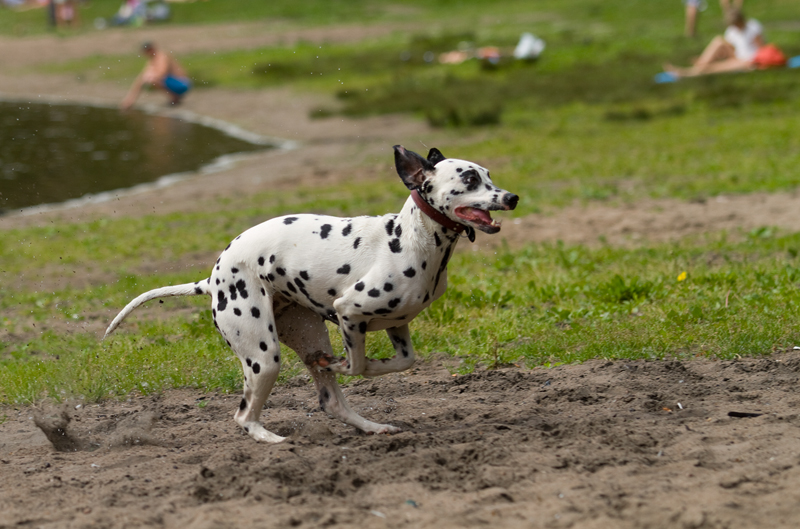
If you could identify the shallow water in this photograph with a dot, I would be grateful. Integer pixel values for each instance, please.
(52, 153)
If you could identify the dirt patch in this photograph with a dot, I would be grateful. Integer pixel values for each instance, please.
(604, 444)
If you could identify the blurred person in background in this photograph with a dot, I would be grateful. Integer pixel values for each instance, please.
(163, 72)
(740, 49)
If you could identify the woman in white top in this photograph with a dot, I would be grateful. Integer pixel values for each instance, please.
(733, 52)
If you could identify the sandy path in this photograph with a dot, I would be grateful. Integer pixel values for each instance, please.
(605, 444)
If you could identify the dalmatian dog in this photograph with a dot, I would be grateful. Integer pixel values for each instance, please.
(279, 281)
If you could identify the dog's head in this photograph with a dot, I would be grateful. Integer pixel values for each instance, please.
(460, 190)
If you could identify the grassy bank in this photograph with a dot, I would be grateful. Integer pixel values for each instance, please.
(542, 305)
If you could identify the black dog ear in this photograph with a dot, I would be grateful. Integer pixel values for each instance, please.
(411, 167)
(435, 156)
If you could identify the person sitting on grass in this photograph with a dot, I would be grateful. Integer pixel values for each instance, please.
(161, 71)
(740, 49)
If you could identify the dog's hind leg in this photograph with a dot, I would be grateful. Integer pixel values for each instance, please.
(305, 332)
(402, 360)
(247, 324)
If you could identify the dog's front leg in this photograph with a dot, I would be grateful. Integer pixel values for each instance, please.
(403, 358)
(353, 329)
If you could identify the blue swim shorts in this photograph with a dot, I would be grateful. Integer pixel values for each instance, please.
(177, 85)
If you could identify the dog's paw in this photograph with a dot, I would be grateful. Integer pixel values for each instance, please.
(261, 434)
(384, 429)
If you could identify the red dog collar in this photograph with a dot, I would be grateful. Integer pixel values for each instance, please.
(435, 215)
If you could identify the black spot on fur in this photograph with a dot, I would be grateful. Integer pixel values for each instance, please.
(390, 227)
(356, 242)
(347, 229)
(388, 287)
(291, 287)
(263, 346)
(359, 286)
(374, 293)
(263, 292)
(232, 289)
(237, 312)
(383, 311)
(324, 230)
(331, 291)
(289, 220)
(242, 405)
(218, 281)
(299, 282)
(424, 265)
(436, 239)
(222, 301)
(270, 278)
(409, 272)
(271, 259)
(276, 358)
(261, 261)
(198, 290)
(393, 303)
(248, 362)
(280, 271)
(394, 246)
(427, 297)
(471, 179)
(398, 231)
(344, 269)
(235, 270)
(256, 368)
(304, 275)
(255, 312)
(241, 287)
(271, 328)
(362, 327)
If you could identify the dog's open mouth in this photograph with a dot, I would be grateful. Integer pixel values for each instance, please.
(480, 218)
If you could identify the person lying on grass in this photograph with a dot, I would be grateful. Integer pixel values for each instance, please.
(161, 71)
(740, 49)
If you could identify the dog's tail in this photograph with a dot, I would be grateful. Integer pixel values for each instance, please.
(188, 289)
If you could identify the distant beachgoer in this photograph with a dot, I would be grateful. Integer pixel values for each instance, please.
(66, 13)
(161, 71)
(740, 49)
(692, 8)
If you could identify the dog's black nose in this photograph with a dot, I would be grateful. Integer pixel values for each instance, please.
(510, 200)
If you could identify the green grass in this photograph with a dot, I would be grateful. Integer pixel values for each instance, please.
(542, 305)
(584, 123)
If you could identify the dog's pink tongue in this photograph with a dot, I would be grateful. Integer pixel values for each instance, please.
(473, 214)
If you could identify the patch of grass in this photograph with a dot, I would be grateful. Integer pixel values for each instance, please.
(542, 305)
